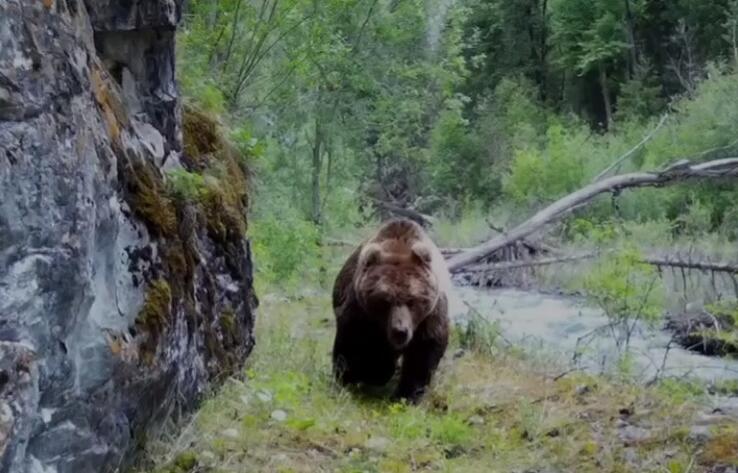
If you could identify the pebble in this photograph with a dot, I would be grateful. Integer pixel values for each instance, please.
(264, 396)
(476, 420)
(699, 433)
(279, 415)
(231, 433)
(631, 434)
(377, 443)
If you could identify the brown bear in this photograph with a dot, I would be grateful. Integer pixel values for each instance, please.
(391, 301)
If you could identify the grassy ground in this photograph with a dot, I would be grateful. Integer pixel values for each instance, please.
(490, 410)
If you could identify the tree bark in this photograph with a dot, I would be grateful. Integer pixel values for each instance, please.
(606, 97)
(633, 48)
(316, 167)
(677, 172)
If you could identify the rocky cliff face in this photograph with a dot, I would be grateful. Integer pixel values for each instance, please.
(119, 301)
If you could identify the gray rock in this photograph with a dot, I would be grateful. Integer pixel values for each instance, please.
(699, 433)
(379, 444)
(631, 434)
(87, 101)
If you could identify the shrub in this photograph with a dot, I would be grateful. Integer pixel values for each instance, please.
(628, 290)
(284, 246)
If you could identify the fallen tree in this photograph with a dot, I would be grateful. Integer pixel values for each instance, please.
(678, 172)
(658, 261)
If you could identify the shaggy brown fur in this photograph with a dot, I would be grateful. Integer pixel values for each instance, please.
(391, 301)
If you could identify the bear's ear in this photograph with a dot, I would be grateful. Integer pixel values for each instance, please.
(422, 254)
(370, 255)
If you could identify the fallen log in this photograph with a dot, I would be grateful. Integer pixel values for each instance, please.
(658, 261)
(678, 172)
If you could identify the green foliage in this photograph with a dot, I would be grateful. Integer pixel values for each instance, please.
(539, 175)
(186, 185)
(726, 311)
(285, 248)
(285, 414)
(641, 97)
(186, 462)
(628, 291)
(346, 100)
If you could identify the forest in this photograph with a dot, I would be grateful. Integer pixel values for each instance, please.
(472, 117)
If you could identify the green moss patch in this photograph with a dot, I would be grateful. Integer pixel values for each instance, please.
(210, 194)
(154, 316)
(148, 199)
(221, 178)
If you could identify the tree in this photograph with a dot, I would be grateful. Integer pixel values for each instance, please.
(591, 39)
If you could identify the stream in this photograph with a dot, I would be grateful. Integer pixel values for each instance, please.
(551, 326)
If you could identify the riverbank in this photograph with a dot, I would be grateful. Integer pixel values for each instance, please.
(569, 329)
(493, 408)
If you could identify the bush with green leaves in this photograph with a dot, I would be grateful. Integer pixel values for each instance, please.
(628, 290)
(285, 248)
(538, 175)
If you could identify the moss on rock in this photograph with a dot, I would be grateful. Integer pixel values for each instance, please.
(207, 150)
(148, 199)
(154, 316)
(185, 462)
(178, 221)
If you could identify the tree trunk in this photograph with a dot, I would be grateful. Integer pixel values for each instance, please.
(316, 167)
(543, 53)
(234, 31)
(606, 97)
(633, 48)
(676, 173)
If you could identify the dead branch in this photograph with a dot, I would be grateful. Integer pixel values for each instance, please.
(659, 261)
(717, 267)
(483, 268)
(676, 173)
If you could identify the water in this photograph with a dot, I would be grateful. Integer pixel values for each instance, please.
(556, 325)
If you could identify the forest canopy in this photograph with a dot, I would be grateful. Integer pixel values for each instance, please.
(348, 108)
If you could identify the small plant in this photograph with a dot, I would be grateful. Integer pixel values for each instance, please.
(185, 185)
(628, 291)
(478, 334)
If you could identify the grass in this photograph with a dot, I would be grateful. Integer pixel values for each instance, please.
(490, 410)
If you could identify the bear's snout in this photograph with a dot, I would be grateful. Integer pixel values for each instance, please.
(400, 327)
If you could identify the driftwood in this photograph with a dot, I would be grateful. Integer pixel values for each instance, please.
(678, 172)
(659, 261)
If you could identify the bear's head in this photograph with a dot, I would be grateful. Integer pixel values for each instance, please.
(396, 286)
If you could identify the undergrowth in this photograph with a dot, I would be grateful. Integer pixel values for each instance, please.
(490, 410)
